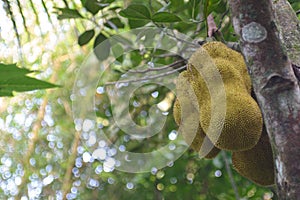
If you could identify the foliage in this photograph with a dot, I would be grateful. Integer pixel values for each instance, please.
(13, 78)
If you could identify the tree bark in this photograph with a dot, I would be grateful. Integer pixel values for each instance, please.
(289, 32)
(289, 29)
(276, 88)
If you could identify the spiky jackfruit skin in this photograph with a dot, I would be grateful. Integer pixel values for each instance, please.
(185, 90)
(218, 50)
(256, 164)
(242, 126)
(195, 139)
(243, 120)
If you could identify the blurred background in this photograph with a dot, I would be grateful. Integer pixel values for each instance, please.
(43, 155)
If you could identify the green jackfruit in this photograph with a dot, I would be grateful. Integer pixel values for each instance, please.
(243, 120)
(190, 126)
(242, 129)
(256, 164)
(196, 141)
(218, 50)
(242, 126)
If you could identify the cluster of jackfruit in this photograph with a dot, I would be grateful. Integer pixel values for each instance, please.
(240, 129)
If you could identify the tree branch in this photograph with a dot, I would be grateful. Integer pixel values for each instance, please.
(146, 78)
(276, 88)
(211, 25)
(67, 181)
(175, 65)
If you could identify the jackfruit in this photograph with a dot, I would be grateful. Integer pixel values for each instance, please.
(190, 125)
(242, 126)
(218, 50)
(188, 117)
(185, 91)
(242, 130)
(243, 120)
(256, 164)
(196, 140)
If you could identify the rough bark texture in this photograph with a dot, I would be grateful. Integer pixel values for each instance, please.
(289, 29)
(276, 87)
(289, 32)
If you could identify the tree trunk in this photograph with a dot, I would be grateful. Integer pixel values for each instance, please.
(276, 88)
(289, 29)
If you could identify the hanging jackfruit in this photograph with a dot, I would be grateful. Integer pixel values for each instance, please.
(190, 125)
(241, 130)
(243, 121)
(196, 139)
(256, 164)
(218, 50)
(242, 126)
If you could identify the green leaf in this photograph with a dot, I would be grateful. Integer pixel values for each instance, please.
(115, 22)
(134, 23)
(118, 51)
(218, 6)
(193, 8)
(185, 26)
(165, 17)
(177, 3)
(106, 1)
(136, 11)
(136, 57)
(118, 39)
(13, 78)
(93, 6)
(85, 37)
(102, 51)
(66, 13)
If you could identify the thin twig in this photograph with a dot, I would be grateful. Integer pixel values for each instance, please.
(93, 20)
(23, 18)
(112, 25)
(181, 40)
(147, 77)
(48, 14)
(37, 19)
(66, 4)
(9, 11)
(222, 18)
(166, 55)
(174, 65)
(228, 169)
(198, 29)
(157, 45)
